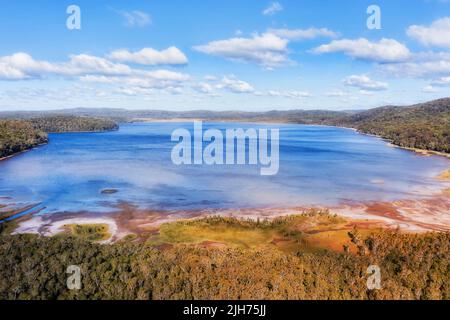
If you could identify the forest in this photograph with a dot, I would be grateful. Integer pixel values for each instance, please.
(423, 126)
(413, 266)
(72, 124)
(20, 135)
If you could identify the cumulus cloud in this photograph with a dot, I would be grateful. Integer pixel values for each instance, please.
(21, 66)
(442, 82)
(336, 93)
(366, 92)
(149, 56)
(204, 87)
(365, 83)
(267, 50)
(229, 83)
(385, 50)
(144, 79)
(135, 18)
(303, 34)
(421, 65)
(289, 94)
(91, 69)
(437, 34)
(272, 9)
(429, 89)
(234, 85)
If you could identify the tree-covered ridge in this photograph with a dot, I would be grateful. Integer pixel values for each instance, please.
(72, 124)
(18, 135)
(21, 135)
(422, 126)
(412, 267)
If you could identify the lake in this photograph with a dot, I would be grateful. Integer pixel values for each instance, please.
(318, 166)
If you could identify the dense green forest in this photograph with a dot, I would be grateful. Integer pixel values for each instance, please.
(20, 135)
(17, 136)
(72, 124)
(422, 126)
(412, 266)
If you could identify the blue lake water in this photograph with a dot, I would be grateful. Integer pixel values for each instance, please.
(318, 166)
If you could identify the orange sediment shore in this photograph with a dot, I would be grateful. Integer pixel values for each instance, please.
(410, 215)
(432, 214)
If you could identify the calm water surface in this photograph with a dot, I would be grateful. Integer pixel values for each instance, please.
(318, 165)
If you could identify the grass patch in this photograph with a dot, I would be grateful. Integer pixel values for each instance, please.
(89, 232)
(129, 237)
(7, 227)
(201, 231)
(309, 232)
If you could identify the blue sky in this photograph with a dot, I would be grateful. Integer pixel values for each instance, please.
(223, 55)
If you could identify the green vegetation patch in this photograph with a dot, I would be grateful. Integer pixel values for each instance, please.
(89, 232)
(72, 124)
(17, 136)
(292, 233)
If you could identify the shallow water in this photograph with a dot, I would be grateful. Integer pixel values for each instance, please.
(318, 166)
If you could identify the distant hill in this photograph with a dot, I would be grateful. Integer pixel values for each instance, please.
(124, 115)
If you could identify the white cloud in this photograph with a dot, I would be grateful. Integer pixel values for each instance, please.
(229, 83)
(7, 72)
(429, 89)
(134, 91)
(421, 65)
(272, 9)
(365, 83)
(442, 82)
(385, 50)
(135, 18)
(234, 85)
(366, 92)
(267, 50)
(159, 79)
(87, 64)
(91, 69)
(289, 94)
(303, 34)
(204, 87)
(336, 93)
(149, 56)
(21, 66)
(437, 34)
